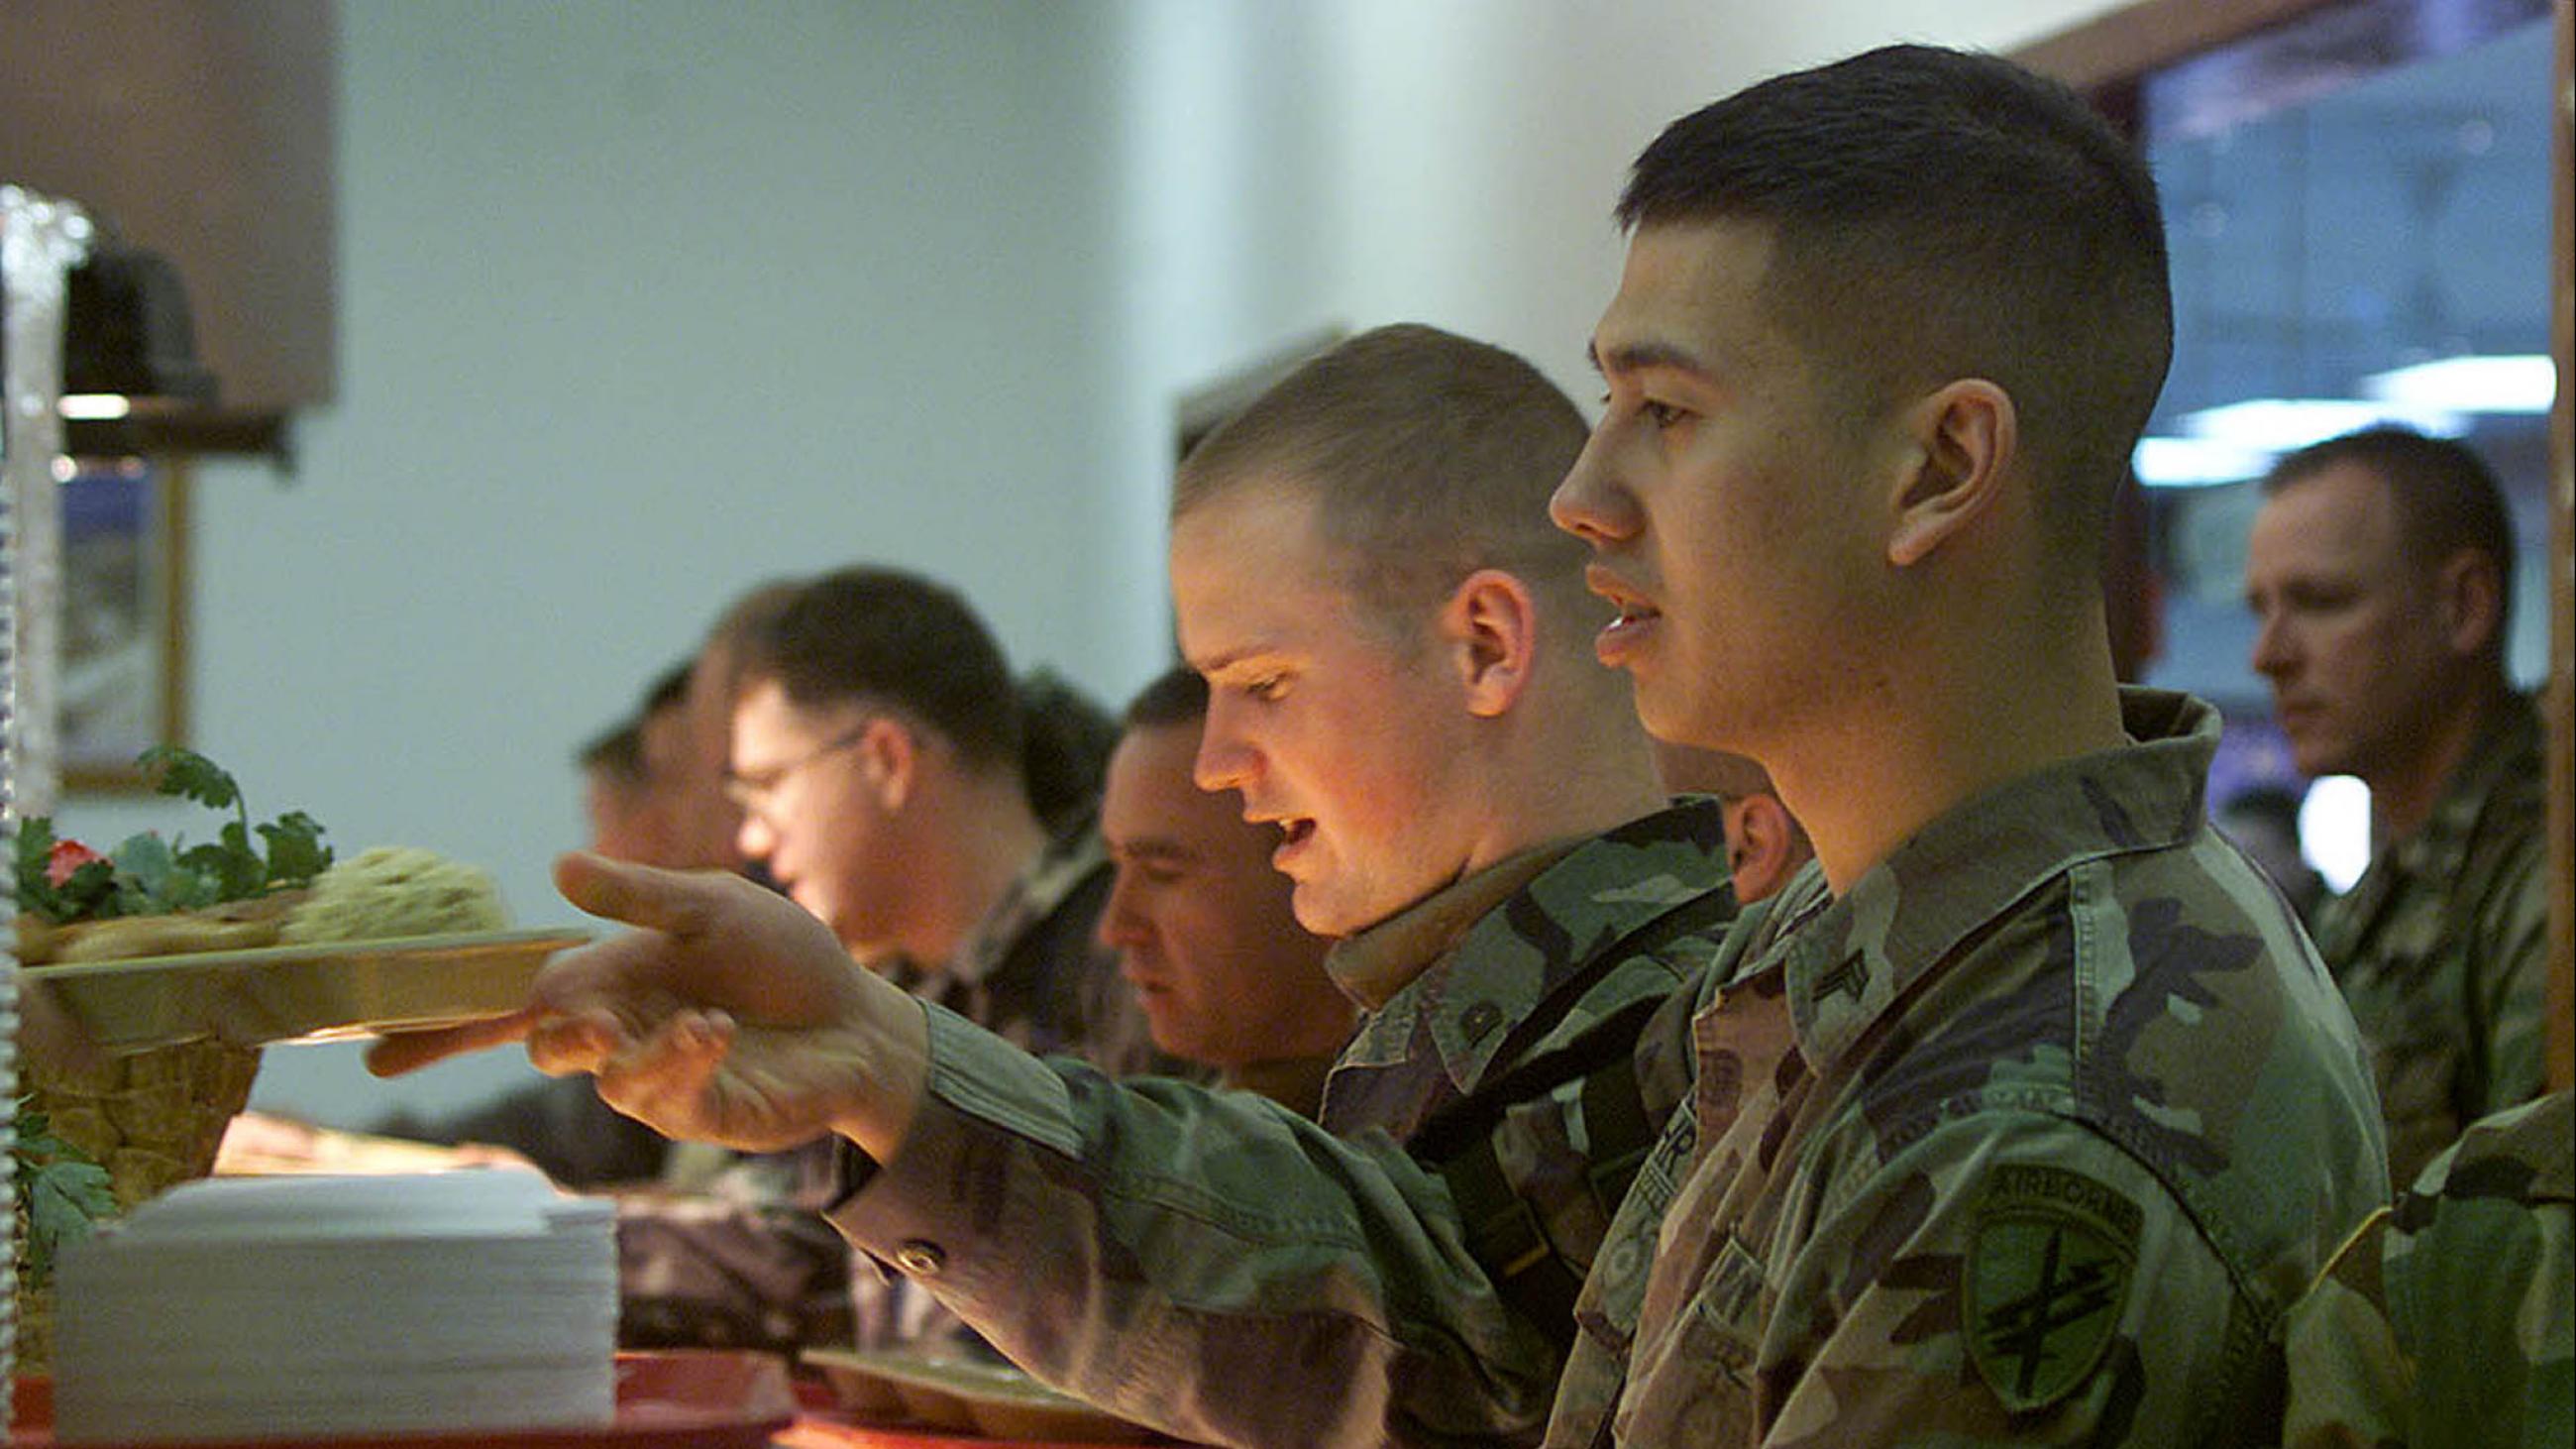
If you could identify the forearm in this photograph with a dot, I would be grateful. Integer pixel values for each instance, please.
(1202, 1262)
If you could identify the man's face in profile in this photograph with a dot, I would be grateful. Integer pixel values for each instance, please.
(1352, 741)
(2347, 634)
(1201, 922)
(1717, 494)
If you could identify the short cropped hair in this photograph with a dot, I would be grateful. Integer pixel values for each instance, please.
(1938, 215)
(2447, 498)
(1177, 696)
(1430, 456)
(883, 637)
(616, 753)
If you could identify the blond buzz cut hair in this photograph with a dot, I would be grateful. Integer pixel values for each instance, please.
(1430, 456)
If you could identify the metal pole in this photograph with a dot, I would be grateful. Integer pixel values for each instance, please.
(40, 240)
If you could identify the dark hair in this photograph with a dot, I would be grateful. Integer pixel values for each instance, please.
(1936, 215)
(883, 637)
(1177, 696)
(616, 752)
(1065, 757)
(669, 689)
(2446, 497)
(1431, 456)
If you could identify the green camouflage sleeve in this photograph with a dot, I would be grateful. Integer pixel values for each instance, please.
(2011, 1278)
(2508, 980)
(1202, 1262)
(2451, 1317)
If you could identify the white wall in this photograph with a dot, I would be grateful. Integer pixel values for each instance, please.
(645, 302)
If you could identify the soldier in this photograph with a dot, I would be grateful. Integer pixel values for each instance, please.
(2027, 1114)
(2451, 1318)
(2023, 1117)
(900, 785)
(2380, 569)
(1201, 923)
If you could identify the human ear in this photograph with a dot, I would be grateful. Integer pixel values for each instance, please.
(1490, 629)
(888, 758)
(2470, 592)
(1761, 846)
(1965, 433)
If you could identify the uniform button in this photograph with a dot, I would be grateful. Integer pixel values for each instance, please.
(1480, 1021)
(921, 1258)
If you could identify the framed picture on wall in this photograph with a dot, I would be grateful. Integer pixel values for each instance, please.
(123, 631)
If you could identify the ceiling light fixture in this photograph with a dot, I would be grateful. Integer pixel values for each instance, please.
(2163, 462)
(2518, 383)
(2280, 424)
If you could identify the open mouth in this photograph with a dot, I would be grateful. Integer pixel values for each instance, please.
(1294, 832)
(1633, 606)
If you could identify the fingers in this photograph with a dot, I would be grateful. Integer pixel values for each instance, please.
(667, 1080)
(640, 895)
(580, 1042)
(392, 1056)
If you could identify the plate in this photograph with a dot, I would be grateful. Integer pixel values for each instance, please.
(947, 1392)
(684, 1399)
(303, 993)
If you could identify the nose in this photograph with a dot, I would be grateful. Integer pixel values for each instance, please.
(753, 837)
(1121, 926)
(2275, 650)
(1224, 761)
(1591, 503)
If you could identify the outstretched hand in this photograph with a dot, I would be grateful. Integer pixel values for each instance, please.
(731, 1016)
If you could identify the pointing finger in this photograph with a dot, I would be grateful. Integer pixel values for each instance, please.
(400, 1052)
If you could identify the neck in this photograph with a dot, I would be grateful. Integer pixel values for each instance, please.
(1571, 772)
(1944, 721)
(981, 835)
(2402, 799)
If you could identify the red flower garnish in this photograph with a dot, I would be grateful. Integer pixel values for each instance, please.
(66, 857)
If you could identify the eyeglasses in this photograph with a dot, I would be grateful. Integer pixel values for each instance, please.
(753, 790)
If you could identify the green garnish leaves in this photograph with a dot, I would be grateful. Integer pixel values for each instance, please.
(192, 775)
(63, 1192)
(148, 876)
(296, 853)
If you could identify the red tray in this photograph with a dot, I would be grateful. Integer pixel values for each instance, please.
(684, 1399)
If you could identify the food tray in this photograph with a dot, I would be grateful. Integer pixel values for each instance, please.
(303, 993)
(686, 1399)
(961, 1395)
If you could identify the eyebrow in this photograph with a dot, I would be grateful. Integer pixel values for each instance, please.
(1151, 847)
(1216, 664)
(1638, 356)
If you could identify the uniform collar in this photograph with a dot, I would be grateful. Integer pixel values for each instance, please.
(1529, 923)
(2507, 742)
(1059, 870)
(1373, 964)
(1846, 960)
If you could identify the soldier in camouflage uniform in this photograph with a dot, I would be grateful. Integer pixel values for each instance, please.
(2380, 570)
(2026, 1114)
(814, 664)
(2023, 1117)
(2451, 1318)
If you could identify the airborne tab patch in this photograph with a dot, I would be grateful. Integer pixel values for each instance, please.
(2047, 1274)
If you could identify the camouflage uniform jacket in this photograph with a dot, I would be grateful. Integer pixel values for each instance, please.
(2450, 1319)
(1210, 1264)
(1032, 972)
(2442, 948)
(2030, 1136)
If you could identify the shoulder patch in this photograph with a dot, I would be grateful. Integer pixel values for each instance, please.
(2048, 1271)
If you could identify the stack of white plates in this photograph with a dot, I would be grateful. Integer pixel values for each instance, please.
(311, 1306)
